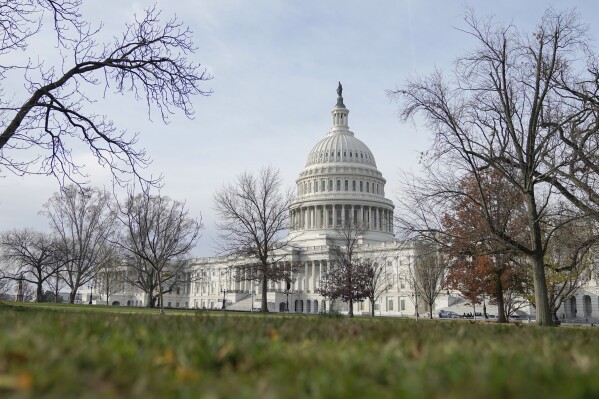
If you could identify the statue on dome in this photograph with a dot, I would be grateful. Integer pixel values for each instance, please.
(340, 97)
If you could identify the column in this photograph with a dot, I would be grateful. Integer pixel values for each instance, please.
(306, 277)
(306, 218)
(313, 276)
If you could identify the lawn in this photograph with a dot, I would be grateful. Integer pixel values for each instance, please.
(88, 351)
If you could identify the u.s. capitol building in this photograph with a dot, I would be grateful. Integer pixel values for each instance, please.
(339, 183)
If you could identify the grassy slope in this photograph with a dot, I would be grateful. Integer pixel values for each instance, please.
(78, 351)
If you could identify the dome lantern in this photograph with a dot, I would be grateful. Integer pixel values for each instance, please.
(340, 113)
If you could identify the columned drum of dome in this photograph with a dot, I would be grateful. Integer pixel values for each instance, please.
(341, 183)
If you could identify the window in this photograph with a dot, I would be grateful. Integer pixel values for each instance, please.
(402, 304)
(350, 154)
(353, 185)
(338, 185)
(315, 186)
(344, 153)
(367, 186)
(322, 185)
(330, 185)
(339, 153)
(361, 186)
(346, 185)
(390, 307)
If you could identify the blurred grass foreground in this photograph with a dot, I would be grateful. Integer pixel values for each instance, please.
(87, 352)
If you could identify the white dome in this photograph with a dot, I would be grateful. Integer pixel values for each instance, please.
(341, 183)
(340, 147)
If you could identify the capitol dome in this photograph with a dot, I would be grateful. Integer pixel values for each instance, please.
(340, 183)
(340, 147)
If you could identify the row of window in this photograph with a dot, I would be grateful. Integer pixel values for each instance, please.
(324, 155)
(313, 186)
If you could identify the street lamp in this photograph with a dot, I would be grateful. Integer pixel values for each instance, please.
(224, 291)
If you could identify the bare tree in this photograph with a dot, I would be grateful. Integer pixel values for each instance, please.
(5, 289)
(158, 235)
(569, 260)
(110, 278)
(30, 256)
(148, 59)
(379, 279)
(427, 273)
(56, 283)
(494, 113)
(253, 216)
(83, 223)
(348, 277)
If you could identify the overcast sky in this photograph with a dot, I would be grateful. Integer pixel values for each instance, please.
(276, 65)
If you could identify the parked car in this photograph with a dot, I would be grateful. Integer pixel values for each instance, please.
(448, 314)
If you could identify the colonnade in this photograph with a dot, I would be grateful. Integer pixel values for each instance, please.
(306, 278)
(335, 216)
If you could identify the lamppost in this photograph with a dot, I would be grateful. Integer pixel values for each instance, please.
(224, 291)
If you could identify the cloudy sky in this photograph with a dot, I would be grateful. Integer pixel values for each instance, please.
(276, 65)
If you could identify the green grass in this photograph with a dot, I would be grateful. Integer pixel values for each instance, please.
(80, 351)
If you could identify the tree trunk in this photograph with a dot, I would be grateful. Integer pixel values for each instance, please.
(501, 316)
(160, 296)
(150, 299)
(541, 297)
(430, 311)
(39, 294)
(372, 307)
(538, 265)
(351, 308)
(72, 295)
(264, 305)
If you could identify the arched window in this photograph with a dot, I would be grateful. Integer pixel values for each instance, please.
(346, 185)
(353, 185)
